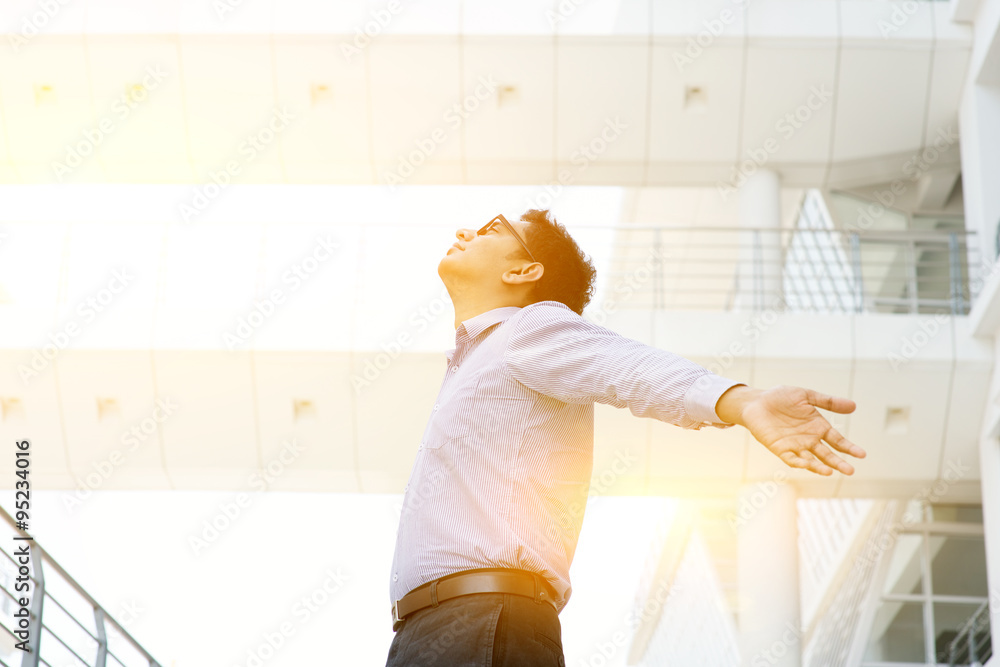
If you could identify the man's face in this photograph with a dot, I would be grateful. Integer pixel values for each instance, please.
(484, 257)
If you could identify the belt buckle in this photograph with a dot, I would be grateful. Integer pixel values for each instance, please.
(396, 620)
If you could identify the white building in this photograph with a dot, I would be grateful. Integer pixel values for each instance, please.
(790, 192)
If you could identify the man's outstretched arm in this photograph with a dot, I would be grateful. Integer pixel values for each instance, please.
(555, 352)
(560, 354)
(785, 420)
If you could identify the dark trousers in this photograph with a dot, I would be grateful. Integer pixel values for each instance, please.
(481, 630)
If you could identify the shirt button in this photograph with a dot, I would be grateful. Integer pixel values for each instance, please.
(436, 406)
(395, 577)
(454, 369)
(405, 488)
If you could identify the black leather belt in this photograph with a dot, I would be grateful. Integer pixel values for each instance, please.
(467, 582)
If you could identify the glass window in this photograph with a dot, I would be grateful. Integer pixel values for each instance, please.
(934, 583)
(958, 565)
(957, 513)
(897, 633)
(905, 574)
(949, 619)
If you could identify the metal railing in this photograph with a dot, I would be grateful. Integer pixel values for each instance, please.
(837, 633)
(828, 530)
(972, 645)
(796, 270)
(41, 562)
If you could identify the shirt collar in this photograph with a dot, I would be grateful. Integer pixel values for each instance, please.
(478, 324)
(471, 328)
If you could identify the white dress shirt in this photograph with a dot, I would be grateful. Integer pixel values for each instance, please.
(503, 468)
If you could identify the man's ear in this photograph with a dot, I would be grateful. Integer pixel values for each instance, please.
(525, 273)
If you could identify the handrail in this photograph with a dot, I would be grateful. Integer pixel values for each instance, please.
(41, 555)
(972, 645)
(796, 269)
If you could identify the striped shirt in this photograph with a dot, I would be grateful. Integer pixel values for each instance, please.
(503, 468)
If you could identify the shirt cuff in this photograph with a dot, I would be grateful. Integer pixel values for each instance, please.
(703, 394)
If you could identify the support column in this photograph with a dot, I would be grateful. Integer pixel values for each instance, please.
(989, 458)
(760, 282)
(768, 565)
(979, 119)
(989, 484)
(979, 123)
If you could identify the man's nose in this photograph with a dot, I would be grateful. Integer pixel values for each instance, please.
(464, 234)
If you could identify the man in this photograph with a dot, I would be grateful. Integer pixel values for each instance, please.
(494, 505)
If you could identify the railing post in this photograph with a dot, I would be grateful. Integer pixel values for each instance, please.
(32, 655)
(102, 638)
(859, 290)
(967, 635)
(973, 657)
(659, 303)
(758, 272)
(955, 272)
(734, 290)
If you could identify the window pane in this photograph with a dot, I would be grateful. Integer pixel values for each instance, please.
(897, 633)
(905, 574)
(961, 513)
(958, 565)
(949, 619)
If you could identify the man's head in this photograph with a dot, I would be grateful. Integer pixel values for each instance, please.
(493, 267)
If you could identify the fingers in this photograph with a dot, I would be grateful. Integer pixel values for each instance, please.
(842, 444)
(827, 456)
(817, 458)
(832, 436)
(831, 403)
(799, 460)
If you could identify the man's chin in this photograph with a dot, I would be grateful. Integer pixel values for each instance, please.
(443, 266)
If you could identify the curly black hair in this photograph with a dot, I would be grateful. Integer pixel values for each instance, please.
(569, 274)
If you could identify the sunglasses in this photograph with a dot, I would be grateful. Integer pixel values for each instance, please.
(503, 221)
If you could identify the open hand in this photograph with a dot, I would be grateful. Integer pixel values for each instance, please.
(785, 420)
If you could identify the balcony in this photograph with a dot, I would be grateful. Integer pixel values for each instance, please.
(933, 268)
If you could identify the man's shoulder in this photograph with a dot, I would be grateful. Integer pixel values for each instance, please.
(540, 313)
(548, 316)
